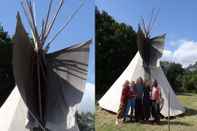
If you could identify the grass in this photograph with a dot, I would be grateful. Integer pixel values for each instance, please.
(105, 121)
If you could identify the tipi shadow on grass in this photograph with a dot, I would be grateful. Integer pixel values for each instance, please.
(165, 122)
(189, 112)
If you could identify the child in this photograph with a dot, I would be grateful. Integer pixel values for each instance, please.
(130, 101)
(123, 101)
(155, 98)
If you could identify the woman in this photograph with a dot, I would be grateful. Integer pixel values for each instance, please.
(139, 99)
(155, 98)
(123, 101)
(130, 101)
(147, 100)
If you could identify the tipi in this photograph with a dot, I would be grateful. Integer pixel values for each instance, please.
(14, 112)
(51, 85)
(145, 64)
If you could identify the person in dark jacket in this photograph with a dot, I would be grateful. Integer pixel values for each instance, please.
(139, 99)
(147, 100)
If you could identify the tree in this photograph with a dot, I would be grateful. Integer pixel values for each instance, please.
(6, 75)
(190, 81)
(115, 48)
(86, 121)
(174, 73)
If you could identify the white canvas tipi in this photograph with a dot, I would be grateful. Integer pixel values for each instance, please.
(14, 115)
(111, 99)
(145, 64)
(14, 111)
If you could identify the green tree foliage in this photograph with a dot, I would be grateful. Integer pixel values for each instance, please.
(86, 121)
(190, 83)
(5, 48)
(115, 48)
(6, 74)
(181, 79)
(190, 78)
(174, 73)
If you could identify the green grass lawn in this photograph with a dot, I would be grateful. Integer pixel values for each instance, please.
(105, 121)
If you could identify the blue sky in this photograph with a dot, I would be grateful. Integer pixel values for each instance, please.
(80, 29)
(178, 19)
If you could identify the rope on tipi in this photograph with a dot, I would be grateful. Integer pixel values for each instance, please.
(66, 24)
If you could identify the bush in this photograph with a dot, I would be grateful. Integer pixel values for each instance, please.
(86, 121)
(6, 75)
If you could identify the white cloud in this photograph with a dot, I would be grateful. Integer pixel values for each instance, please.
(88, 101)
(185, 54)
(167, 55)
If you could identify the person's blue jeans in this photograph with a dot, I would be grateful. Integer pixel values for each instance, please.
(130, 104)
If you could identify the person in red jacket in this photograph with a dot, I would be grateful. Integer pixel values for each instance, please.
(131, 95)
(123, 101)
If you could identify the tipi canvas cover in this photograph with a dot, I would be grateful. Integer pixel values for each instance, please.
(111, 99)
(145, 64)
(14, 115)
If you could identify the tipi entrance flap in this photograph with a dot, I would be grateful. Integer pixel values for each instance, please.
(23, 61)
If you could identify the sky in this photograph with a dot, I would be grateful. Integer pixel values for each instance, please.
(178, 19)
(80, 29)
(88, 101)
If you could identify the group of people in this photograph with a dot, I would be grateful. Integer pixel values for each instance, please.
(139, 101)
